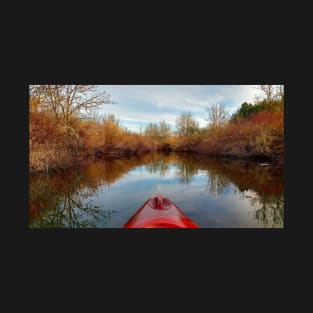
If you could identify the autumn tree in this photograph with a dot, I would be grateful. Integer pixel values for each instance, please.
(217, 114)
(34, 104)
(269, 91)
(110, 129)
(274, 97)
(164, 130)
(111, 118)
(279, 92)
(186, 125)
(69, 101)
(152, 131)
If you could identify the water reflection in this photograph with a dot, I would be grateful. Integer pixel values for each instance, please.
(160, 166)
(61, 201)
(90, 195)
(269, 210)
(186, 170)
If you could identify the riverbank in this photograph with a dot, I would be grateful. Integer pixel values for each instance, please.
(123, 155)
(84, 159)
(47, 157)
(260, 137)
(55, 145)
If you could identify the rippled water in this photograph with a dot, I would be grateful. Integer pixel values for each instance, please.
(106, 193)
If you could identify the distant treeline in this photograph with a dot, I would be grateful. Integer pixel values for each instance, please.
(64, 129)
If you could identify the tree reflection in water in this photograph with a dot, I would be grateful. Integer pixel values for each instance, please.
(217, 184)
(65, 199)
(160, 166)
(186, 170)
(269, 209)
(262, 185)
(63, 203)
(238, 176)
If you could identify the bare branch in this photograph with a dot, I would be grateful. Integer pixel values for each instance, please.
(69, 101)
(217, 114)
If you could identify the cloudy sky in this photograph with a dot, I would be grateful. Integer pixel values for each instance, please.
(137, 105)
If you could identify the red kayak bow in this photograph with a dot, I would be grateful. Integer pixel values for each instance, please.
(160, 212)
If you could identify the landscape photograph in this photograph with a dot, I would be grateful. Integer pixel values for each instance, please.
(156, 156)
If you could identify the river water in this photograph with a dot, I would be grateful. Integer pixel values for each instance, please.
(214, 192)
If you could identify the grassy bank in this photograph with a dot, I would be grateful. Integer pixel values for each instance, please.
(261, 136)
(53, 144)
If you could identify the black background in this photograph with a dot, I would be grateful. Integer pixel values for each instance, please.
(66, 268)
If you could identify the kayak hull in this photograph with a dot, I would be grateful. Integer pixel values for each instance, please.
(160, 212)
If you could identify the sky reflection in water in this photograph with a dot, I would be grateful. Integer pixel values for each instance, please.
(106, 193)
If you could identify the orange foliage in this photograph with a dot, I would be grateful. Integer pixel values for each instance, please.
(261, 135)
(42, 127)
(55, 144)
(268, 119)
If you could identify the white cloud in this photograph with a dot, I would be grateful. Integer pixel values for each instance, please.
(152, 103)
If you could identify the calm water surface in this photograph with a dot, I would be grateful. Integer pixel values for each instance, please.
(213, 192)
